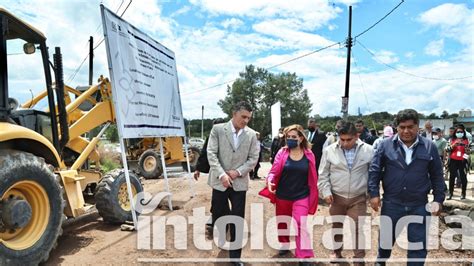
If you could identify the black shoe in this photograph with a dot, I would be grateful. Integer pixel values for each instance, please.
(304, 263)
(463, 197)
(450, 196)
(238, 263)
(283, 252)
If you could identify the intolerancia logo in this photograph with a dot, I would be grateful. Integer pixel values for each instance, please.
(257, 232)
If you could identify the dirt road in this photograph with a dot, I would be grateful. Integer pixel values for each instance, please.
(90, 241)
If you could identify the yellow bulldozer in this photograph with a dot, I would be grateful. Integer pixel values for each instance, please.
(143, 155)
(45, 162)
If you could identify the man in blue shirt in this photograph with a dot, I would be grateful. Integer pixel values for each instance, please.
(409, 167)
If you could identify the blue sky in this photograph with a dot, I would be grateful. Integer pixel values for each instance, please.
(214, 40)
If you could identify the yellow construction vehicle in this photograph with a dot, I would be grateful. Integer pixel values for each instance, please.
(144, 155)
(44, 160)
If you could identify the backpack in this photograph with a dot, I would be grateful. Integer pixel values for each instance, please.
(202, 164)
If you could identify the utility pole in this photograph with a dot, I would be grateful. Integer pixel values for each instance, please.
(345, 99)
(91, 58)
(202, 123)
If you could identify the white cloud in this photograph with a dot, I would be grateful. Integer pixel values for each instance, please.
(232, 23)
(386, 57)
(409, 55)
(391, 91)
(181, 11)
(447, 15)
(311, 14)
(283, 29)
(455, 21)
(435, 48)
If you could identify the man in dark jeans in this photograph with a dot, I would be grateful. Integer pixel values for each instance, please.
(409, 166)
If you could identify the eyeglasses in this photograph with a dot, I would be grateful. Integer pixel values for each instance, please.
(459, 132)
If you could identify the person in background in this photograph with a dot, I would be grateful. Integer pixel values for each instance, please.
(373, 136)
(440, 143)
(459, 152)
(277, 143)
(316, 138)
(387, 133)
(428, 130)
(254, 173)
(448, 160)
(364, 133)
(343, 181)
(333, 136)
(451, 133)
(409, 167)
(293, 179)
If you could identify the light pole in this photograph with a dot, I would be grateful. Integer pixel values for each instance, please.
(202, 123)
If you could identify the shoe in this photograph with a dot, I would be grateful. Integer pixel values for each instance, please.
(463, 197)
(450, 196)
(238, 263)
(304, 263)
(283, 252)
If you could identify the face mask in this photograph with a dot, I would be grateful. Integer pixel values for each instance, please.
(292, 143)
(459, 135)
(435, 137)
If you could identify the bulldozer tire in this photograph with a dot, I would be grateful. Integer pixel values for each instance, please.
(193, 159)
(149, 164)
(31, 209)
(111, 196)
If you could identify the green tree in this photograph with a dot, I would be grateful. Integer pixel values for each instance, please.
(111, 133)
(262, 89)
(432, 116)
(444, 115)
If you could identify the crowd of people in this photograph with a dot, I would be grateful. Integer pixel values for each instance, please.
(345, 169)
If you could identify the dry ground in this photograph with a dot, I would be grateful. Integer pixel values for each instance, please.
(90, 241)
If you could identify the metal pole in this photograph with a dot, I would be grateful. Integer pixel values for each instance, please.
(345, 99)
(91, 58)
(165, 175)
(189, 128)
(202, 123)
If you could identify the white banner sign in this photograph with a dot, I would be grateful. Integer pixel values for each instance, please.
(144, 79)
(276, 118)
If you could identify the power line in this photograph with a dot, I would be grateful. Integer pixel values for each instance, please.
(360, 79)
(73, 75)
(408, 73)
(380, 20)
(310, 53)
(274, 66)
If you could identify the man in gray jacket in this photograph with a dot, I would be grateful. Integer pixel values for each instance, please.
(232, 152)
(343, 178)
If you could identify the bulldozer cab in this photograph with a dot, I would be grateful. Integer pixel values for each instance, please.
(22, 47)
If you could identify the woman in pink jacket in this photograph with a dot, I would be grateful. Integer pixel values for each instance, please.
(292, 183)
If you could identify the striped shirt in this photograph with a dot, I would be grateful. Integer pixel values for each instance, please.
(350, 156)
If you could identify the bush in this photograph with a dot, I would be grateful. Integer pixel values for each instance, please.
(110, 158)
(108, 165)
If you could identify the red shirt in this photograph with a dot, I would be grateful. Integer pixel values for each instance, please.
(458, 151)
